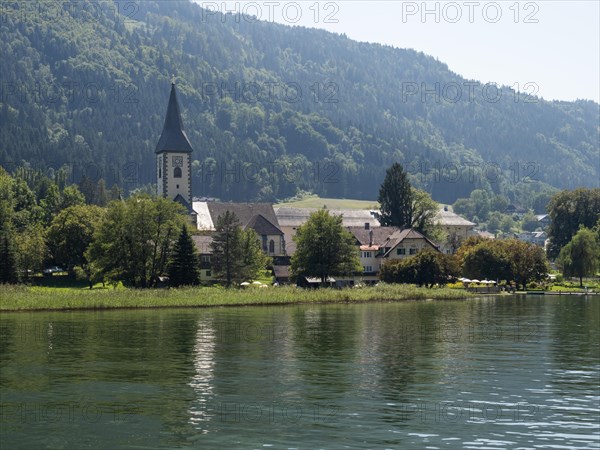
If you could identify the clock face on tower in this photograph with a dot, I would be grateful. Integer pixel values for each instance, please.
(177, 161)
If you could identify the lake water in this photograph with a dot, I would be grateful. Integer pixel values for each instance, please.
(518, 372)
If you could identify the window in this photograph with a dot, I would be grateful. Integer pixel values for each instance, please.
(177, 172)
(368, 269)
(205, 258)
(366, 254)
(271, 246)
(401, 251)
(264, 242)
(208, 273)
(159, 172)
(413, 251)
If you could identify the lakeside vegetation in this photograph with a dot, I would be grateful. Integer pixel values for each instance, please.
(31, 298)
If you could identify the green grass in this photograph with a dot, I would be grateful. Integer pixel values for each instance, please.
(572, 289)
(21, 298)
(314, 201)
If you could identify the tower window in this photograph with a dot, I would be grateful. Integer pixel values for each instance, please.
(271, 246)
(177, 172)
(159, 172)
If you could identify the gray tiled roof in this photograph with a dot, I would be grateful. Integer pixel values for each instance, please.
(450, 218)
(245, 212)
(398, 236)
(203, 244)
(281, 271)
(380, 234)
(262, 226)
(294, 217)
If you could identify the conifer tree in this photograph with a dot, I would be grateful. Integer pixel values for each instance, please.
(184, 268)
(8, 261)
(227, 258)
(396, 198)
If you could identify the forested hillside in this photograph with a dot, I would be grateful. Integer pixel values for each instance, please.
(269, 109)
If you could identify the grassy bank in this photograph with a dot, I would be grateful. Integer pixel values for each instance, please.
(22, 298)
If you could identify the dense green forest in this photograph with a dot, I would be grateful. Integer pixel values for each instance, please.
(270, 109)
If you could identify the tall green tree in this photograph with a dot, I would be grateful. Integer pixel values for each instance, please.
(31, 250)
(396, 198)
(324, 248)
(254, 259)
(69, 236)
(424, 213)
(51, 203)
(404, 206)
(486, 259)
(527, 261)
(504, 259)
(71, 196)
(227, 257)
(8, 260)
(184, 269)
(134, 239)
(568, 211)
(581, 256)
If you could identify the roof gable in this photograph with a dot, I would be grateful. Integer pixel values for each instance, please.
(203, 244)
(262, 226)
(179, 199)
(408, 233)
(245, 212)
(380, 234)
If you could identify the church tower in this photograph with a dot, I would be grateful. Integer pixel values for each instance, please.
(174, 157)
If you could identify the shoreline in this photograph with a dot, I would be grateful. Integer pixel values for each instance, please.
(240, 305)
(25, 299)
(17, 299)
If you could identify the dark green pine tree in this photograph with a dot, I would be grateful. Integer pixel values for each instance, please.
(227, 254)
(396, 198)
(184, 268)
(8, 261)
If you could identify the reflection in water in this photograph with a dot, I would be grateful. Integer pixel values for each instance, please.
(201, 383)
(508, 372)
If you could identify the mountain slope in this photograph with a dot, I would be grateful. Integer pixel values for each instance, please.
(269, 109)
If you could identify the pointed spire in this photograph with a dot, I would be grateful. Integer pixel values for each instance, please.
(173, 138)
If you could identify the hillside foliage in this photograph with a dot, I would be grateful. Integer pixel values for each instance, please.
(270, 109)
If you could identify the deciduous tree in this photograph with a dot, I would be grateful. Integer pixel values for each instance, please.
(324, 248)
(581, 256)
(31, 250)
(426, 268)
(134, 239)
(503, 259)
(568, 211)
(70, 234)
(255, 259)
